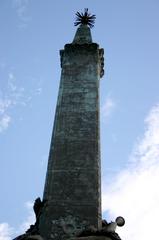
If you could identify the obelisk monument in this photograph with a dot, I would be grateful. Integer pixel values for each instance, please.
(73, 182)
(71, 205)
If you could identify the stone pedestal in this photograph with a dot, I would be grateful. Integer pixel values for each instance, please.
(92, 238)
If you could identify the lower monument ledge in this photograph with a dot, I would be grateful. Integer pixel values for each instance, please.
(91, 238)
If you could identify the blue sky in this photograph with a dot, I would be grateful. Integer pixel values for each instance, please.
(32, 33)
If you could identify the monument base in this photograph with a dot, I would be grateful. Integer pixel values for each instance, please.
(106, 232)
(92, 238)
(38, 237)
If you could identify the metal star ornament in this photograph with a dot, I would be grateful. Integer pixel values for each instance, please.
(85, 18)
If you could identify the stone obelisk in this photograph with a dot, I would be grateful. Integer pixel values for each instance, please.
(71, 205)
(73, 182)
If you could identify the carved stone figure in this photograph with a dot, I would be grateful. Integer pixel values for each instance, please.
(108, 229)
(33, 231)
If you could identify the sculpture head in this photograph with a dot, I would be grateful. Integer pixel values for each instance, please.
(38, 200)
(120, 221)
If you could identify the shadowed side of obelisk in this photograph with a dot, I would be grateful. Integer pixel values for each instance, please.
(71, 205)
(73, 182)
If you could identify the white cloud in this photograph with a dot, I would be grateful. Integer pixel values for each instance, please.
(30, 218)
(107, 108)
(5, 231)
(4, 105)
(133, 192)
(4, 122)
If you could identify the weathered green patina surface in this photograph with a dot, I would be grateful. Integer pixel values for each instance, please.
(73, 182)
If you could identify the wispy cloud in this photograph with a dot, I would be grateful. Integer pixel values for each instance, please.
(2, 64)
(21, 7)
(133, 192)
(5, 119)
(15, 93)
(4, 104)
(7, 100)
(38, 91)
(7, 232)
(13, 96)
(107, 108)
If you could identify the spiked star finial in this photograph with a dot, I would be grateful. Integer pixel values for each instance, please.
(85, 18)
